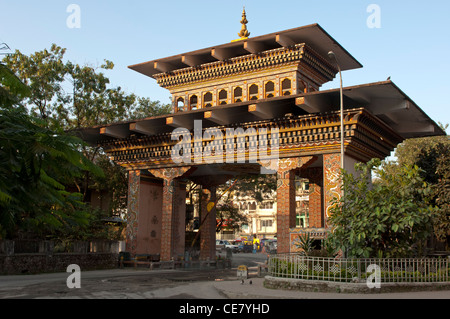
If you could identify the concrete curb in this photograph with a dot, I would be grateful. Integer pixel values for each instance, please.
(355, 288)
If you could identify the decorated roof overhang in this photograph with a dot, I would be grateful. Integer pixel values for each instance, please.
(313, 35)
(384, 100)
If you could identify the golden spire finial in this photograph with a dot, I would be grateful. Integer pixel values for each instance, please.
(244, 32)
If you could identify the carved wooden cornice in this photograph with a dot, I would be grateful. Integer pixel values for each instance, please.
(248, 64)
(365, 137)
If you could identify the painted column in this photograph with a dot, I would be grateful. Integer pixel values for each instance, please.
(170, 206)
(179, 218)
(331, 181)
(315, 176)
(208, 224)
(285, 208)
(133, 210)
(286, 198)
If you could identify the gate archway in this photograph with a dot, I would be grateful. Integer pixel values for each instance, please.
(278, 133)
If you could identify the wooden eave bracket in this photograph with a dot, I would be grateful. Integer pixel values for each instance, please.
(284, 40)
(307, 104)
(163, 66)
(217, 117)
(115, 131)
(222, 54)
(178, 121)
(262, 111)
(384, 106)
(254, 47)
(142, 128)
(417, 127)
(191, 60)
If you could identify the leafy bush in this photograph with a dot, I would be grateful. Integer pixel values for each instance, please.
(393, 215)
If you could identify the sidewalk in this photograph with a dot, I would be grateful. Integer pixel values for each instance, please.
(234, 289)
(171, 284)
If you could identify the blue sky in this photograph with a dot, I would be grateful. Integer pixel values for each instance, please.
(412, 45)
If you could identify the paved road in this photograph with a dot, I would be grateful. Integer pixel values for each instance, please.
(170, 284)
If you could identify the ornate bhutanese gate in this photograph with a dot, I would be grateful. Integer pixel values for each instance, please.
(270, 84)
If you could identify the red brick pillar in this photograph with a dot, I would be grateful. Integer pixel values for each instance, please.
(315, 176)
(286, 198)
(169, 209)
(134, 181)
(285, 208)
(208, 224)
(331, 181)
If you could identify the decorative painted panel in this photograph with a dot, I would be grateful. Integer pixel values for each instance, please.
(332, 183)
(133, 210)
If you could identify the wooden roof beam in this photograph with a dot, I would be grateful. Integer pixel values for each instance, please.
(142, 128)
(384, 106)
(179, 122)
(163, 66)
(118, 131)
(216, 117)
(423, 127)
(254, 47)
(262, 111)
(222, 53)
(191, 60)
(284, 40)
(307, 104)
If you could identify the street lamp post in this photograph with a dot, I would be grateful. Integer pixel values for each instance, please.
(333, 56)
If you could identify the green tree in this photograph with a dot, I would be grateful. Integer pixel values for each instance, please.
(70, 96)
(432, 155)
(12, 90)
(228, 215)
(42, 72)
(36, 164)
(113, 184)
(255, 186)
(62, 96)
(441, 191)
(390, 217)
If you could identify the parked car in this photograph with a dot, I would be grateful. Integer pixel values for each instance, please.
(221, 245)
(234, 248)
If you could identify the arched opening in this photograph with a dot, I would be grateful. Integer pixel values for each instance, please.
(302, 87)
(253, 92)
(193, 101)
(270, 89)
(286, 87)
(223, 94)
(180, 104)
(207, 99)
(237, 94)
